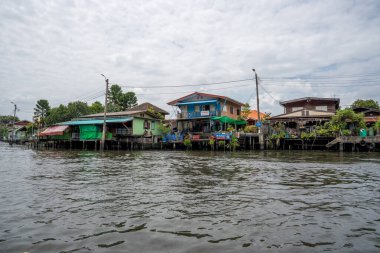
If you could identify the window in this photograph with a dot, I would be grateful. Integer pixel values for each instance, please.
(205, 107)
(321, 108)
(224, 108)
(146, 124)
(197, 108)
(231, 109)
(153, 126)
(296, 108)
(238, 112)
(212, 107)
(305, 113)
(184, 108)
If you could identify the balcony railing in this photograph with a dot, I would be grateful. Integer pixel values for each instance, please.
(201, 114)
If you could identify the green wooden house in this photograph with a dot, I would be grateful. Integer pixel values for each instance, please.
(142, 121)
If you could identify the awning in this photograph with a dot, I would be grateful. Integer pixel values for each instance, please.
(197, 102)
(95, 121)
(225, 119)
(54, 130)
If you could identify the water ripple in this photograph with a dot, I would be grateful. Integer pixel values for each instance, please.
(151, 201)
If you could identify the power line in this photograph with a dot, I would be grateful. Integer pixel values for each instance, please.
(187, 85)
(269, 93)
(324, 77)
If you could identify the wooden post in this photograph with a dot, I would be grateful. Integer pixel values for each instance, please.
(341, 146)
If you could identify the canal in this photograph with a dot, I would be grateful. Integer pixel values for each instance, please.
(152, 201)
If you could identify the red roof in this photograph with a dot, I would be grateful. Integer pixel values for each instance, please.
(206, 95)
(253, 115)
(54, 130)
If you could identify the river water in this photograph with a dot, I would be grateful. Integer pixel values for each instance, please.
(153, 201)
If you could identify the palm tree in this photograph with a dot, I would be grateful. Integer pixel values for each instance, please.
(42, 110)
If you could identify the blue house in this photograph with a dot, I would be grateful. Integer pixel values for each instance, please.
(196, 110)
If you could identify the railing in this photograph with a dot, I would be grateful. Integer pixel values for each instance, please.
(75, 136)
(191, 115)
(123, 131)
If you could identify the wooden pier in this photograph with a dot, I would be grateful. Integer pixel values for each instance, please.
(355, 143)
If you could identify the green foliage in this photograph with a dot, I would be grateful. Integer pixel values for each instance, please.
(346, 132)
(221, 143)
(368, 103)
(187, 143)
(230, 128)
(234, 143)
(119, 101)
(3, 131)
(8, 119)
(156, 114)
(41, 110)
(250, 129)
(326, 131)
(280, 135)
(345, 117)
(66, 113)
(96, 107)
(245, 111)
(308, 136)
(377, 125)
(164, 128)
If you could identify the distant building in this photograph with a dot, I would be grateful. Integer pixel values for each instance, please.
(196, 110)
(303, 114)
(370, 115)
(252, 117)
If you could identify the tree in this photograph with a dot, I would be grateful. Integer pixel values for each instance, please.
(8, 119)
(119, 101)
(245, 111)
(369, 103)
(129, 100)
(41, 111)
(96, 107)
(65, 113)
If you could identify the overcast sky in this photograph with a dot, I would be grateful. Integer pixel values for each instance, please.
(56, 50)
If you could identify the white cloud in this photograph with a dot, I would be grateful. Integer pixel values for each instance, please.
(58, 49)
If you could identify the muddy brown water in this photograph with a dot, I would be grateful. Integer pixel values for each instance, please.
(153, 201)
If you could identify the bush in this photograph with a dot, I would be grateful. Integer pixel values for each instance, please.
(250, 129)
(346, 132)
(280, 135)
(308, 136)
(187, 142)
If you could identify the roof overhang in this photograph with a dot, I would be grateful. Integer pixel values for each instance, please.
(197, 102)
(95, 121)
(54, 130)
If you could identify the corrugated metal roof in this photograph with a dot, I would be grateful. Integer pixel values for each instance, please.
(54, 130)
(95, 121)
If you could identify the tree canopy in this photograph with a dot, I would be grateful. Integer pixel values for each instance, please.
(368, 103)
(7, 119)
(72, 110)
(120, 101)
(41, 110)
(245, 111)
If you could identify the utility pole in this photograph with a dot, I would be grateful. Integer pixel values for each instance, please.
(261, 135)
(13, 125)
(257, 96)
(105, 116)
